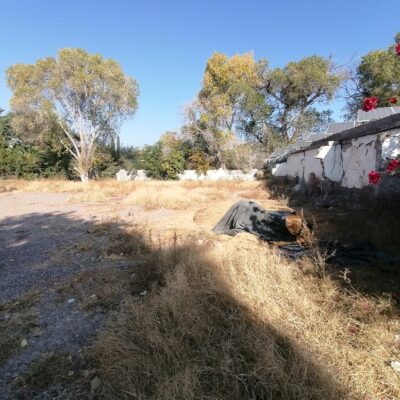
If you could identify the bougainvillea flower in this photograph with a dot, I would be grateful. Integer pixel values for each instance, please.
(398, 49)
(374, 178)
(370, 103)
(393, 100)
(393, 164)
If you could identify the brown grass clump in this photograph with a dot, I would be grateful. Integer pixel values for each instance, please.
(173, 196)
(108, 187)
(234, 324)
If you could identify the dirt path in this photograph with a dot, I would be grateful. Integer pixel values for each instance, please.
(43, 249)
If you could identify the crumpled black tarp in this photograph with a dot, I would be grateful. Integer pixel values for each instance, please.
(249, 216)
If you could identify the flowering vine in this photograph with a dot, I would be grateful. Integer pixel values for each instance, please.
(375, 177)
(370, 103)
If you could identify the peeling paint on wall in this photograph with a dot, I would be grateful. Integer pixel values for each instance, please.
(346, 163)
(359, 158)
(312, 165)
(391, 145)
(294, 165)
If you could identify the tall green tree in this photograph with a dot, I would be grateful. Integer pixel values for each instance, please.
(293, 91)
(87, 95)
(378, 74)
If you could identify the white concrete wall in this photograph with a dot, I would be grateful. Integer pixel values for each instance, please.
(347, 163)
(218, 175)
(312, 164)
(294, 165)
(391, 145)
(191, 175)
(280, 169)
(330, 157)
(359, 158)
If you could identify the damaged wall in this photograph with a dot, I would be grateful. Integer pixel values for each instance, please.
(347, 162)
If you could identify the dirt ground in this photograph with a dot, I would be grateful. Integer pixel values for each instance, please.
(52, 247)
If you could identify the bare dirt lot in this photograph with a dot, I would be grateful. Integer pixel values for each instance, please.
(117, 290)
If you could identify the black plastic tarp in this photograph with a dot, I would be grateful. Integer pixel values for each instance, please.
(271, 226)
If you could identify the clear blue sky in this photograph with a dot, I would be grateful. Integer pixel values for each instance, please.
(165, 44)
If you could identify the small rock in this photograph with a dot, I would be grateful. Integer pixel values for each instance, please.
(93, 297)
(70, 301)
(143, 293)
(70, 373)
(24, 343)
(395, 365)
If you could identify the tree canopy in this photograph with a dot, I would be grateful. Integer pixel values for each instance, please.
(378, 74)
(87, 95)
(292, 91)
(243, 99)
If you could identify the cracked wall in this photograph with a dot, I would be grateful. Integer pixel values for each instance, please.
(347, 163)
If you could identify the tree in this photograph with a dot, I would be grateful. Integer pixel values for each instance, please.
(243, 99)
(378, 74)
(294, 89)
(87, 95)
(228, 97)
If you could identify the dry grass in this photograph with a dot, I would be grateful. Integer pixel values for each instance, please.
(174, 197)
(233, 320)
(223, 317)
(148, 195)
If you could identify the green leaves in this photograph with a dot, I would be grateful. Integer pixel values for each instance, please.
(378, 74)
(87, 95)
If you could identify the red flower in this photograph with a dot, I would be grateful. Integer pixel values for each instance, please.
(370, 103)
(393, 164)
(393, 100)
(374, 177)
(398, 49)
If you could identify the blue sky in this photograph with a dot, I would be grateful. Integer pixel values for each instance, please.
(164, 45)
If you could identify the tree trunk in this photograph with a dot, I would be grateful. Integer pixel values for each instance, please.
(84, 177)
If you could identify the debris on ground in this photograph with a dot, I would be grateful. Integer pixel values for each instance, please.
(292, 235)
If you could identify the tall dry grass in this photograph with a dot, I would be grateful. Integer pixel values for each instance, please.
(149, 195)
(231, 319)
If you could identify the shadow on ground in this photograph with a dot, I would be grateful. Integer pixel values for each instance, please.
(359, 220)
(56, 287)
(60, 277)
